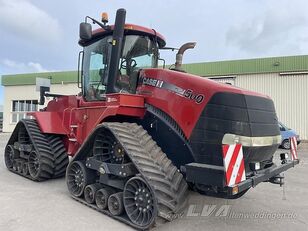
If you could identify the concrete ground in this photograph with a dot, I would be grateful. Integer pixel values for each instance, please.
(27, 205)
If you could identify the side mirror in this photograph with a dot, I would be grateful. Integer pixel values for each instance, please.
(85, 31)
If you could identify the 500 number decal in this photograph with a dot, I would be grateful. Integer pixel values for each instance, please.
(187, 93)
(198, 98)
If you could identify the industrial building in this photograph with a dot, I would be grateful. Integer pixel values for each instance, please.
(284, 79)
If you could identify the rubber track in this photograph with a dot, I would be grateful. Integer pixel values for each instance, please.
(122, 218)
(41, 146)
(60, 157)
(166, 181)
(53, 156)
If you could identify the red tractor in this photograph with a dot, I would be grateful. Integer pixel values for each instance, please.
(141, 135)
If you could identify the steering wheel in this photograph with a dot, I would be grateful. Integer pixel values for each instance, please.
(125, 63)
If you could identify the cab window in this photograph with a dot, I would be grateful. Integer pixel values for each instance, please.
(95, 69)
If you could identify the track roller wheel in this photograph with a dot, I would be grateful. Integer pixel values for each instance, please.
(78, 176)
(90, 191)
(14, 165)
(9, 155)
(25, 169)
(19, 166)
(115, 204)
(139, 202)
(101, 197)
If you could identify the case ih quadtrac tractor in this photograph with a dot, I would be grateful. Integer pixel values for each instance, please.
(140, 135)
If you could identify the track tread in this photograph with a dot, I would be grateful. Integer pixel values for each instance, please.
(168, 184)
(41, 146)
(50, 149)
(59, 155)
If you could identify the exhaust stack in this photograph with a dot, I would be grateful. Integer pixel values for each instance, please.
(179, 55)
(117, 40)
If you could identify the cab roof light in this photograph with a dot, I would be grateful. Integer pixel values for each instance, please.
(104, 18)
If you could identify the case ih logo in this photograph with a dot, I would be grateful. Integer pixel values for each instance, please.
(152, 82)
(188, 93)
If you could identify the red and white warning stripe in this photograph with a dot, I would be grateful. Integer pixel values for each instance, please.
(234, 163)
(293, 148)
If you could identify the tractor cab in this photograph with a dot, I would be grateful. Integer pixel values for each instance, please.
(113, 56)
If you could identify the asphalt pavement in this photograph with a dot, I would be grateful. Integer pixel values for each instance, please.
(27, 205)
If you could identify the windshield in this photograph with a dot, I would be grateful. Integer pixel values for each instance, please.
(137, 52)
(283, 127)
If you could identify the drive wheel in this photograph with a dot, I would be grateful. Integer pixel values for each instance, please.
(77, 178)
(107, 149)
(286, 144)
(139, 202)
(115, 204)
(9, 156)
(34, 165)
(101, 197)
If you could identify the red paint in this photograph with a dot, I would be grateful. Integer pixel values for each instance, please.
(54, 124)
(224, 150)
(135, 28)
(240, 172)
(185, 112)
(76, 118)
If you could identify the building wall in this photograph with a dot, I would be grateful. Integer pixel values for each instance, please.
(289, 93)
(28, 92)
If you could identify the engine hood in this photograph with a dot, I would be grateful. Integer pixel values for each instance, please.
(181, 95)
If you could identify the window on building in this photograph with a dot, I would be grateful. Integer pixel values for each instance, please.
(21, 107)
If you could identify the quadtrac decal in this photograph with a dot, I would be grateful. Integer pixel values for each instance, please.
(187, 93)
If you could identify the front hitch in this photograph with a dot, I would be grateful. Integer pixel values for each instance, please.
(277, 180)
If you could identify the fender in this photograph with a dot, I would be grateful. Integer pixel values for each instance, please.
(168, 135)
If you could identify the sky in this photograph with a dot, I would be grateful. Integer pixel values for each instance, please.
(41, 35)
